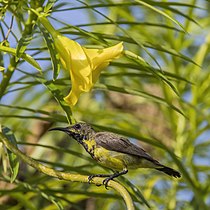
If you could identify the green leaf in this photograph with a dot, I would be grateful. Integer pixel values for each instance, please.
(169, 51)
(24, 56)
(131, 23)
(136, 191)
(49, 197)
(53, 200)
(160, 12)
(13, 159)
(126, 90)
(53, 53)
(159, 74)
(58, 96)
(49, 6)
(22, 44)
(154, 72)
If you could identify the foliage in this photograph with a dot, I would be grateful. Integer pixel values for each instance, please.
(157, 94)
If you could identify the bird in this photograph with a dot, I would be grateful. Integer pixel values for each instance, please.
(113, 151)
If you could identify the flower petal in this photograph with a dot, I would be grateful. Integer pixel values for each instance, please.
(73, 96)
(74, 59)
(100, 58)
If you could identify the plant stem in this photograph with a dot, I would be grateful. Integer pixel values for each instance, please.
(67, 176)
(7, 76)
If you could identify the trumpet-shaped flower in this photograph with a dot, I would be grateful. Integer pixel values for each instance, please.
(84, 65)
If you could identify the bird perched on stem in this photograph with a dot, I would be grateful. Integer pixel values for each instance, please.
(113, 151)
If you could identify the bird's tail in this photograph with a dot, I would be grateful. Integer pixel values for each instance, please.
(169, 171)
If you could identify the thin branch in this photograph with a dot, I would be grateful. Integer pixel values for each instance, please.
(67, 176)
(10, 28)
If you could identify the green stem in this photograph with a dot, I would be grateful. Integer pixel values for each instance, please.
(7, 76)
(46, 23)
(67, 176)
(48, 26)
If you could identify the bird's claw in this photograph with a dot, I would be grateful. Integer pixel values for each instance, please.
(106, 181)
(90, 178)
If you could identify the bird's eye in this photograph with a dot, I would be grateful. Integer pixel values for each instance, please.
(77, 126)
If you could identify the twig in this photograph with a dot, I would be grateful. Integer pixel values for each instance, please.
(67, 176)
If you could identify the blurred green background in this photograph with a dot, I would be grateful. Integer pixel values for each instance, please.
(160, 100)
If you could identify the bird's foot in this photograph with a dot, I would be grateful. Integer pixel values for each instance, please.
(106, 181)
(90, 178)
(109, 177)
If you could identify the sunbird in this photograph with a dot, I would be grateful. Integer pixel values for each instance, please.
(113, 151)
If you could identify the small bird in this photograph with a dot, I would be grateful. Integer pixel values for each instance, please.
(113, 151)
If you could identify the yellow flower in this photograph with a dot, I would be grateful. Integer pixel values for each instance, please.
(84, 64)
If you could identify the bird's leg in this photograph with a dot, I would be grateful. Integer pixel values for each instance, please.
(111, 177)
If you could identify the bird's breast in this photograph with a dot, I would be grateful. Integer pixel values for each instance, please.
(90, 146)
(109, 159)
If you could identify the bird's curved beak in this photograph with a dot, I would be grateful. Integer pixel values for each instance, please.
(66, 129)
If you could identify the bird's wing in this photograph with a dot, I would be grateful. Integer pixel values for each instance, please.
(114, 142)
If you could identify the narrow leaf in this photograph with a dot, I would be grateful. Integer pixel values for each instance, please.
(143, 68)
(136, 191)
(24, 56)
(53, 53)
(13, 159)
(53, 200)
(58, 96)
(160, 12)
(159, 74)
(22, 44)
(169, 51)
(149, 96)
(49, 6)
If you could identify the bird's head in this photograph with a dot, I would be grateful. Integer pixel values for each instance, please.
(79, 131)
